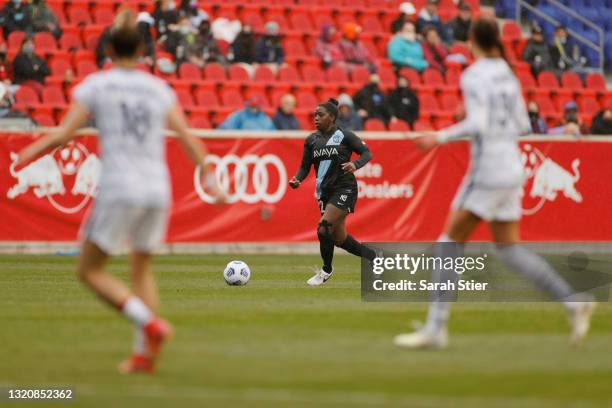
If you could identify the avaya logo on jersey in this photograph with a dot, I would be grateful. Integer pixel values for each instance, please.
(249, 179)
(67, 177)
(547, 180)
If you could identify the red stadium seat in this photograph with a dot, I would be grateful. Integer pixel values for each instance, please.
(185, 99)
(313, 74)
(337, 75)
(548, 80)
(260, 95)
(237, 73)
(371, 23)
(399, 126)
(360, 75)
(279, 18)
(44, 43)
(441, 123)
(43, 119)
(412, 75)
(527, 81)
(231, 98)
(428, 103)
(288, 73)
(422, 125)
(104, 16)
(84, 68)
(388, 79)
(432, 77)
(450, 102)
(253, 18)
(200, 122)
(588, 105)
(596, 81)
(207, 98)
(59, 66)
(79, 16)
(190, 72)
(301, 21)
(511, 31)
(214, 72)
(264, 74)
(571, 80)
(453, 77)
(545, 104)
(374, 125)
(562, 100)
(70, 42)
(26, 95)
(15, 39)
(53, 95)
(294, 48)
(306, 100)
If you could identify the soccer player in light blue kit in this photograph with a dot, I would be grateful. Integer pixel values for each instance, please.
(131, 109)
(492, 188)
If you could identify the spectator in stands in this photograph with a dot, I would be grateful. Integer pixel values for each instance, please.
(327, 48)
(459, 27)
(433, 49)
(180, 40)
(538, 124)
(189, 9)
(268, 49)
(144, 23)
(353, 50)
(404, 50)
(570, 123)
(371, 102)
(243, 47)
(249, 118)
(429, 16)
(166, 17)
(407, 13)
(348, 119)
(537, 53)
(44, 20)
(602, 123)
(564, 56)
(6, 69)
(404, 102)
(16, 15)
(284, 119)
(30, 69)
(206, 48)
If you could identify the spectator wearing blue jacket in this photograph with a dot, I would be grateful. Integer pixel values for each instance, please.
(268, 49)
(284, 119)
(249, 118)
(404, 50)
(429, 17)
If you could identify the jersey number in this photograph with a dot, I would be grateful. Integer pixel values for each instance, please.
(136, 121)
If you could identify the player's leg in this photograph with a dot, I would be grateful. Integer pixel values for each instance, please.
(541, 273)
(345, 241)
(459, 226)
(325, 234)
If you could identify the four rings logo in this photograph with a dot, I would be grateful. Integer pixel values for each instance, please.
(545, 179)
(249, 178)
(49, 176)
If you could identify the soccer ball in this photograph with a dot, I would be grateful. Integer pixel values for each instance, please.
(237, 273)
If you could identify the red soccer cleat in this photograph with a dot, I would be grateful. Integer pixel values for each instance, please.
(157, 332)
(137, 364)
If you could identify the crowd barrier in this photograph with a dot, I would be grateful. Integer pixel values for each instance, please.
(404, 194)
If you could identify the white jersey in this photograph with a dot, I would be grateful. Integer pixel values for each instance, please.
(130, 109)
(495, 118)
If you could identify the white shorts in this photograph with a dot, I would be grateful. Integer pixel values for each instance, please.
(115, 226)
(502, 204)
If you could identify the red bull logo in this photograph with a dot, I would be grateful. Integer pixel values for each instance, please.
(546, 179)
(49, 175)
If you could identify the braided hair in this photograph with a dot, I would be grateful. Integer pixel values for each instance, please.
(331, 106)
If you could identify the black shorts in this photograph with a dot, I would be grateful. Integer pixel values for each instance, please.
(343, 198)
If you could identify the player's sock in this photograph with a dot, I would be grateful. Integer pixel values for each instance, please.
(537, 270)
(439, 307)
(326, 245)
(139, 346)
(136, 311)
(355, 247)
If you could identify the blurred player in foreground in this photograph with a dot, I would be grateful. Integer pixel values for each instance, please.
(491, 190)
(329, 149)
(131, 109)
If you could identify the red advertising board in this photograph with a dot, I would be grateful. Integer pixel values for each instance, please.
(404, 194)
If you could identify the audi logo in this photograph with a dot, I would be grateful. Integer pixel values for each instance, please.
(251, 180)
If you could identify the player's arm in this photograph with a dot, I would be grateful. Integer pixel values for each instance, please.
(194, 148)
(304, 169)
(75, 118)
(358, 146)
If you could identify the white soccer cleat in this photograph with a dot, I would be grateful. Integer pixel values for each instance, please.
(423, 339)
(319, 278)
(580, 321)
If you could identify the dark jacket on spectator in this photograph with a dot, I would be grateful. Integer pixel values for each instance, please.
(43, 19)
(459, 28)
(372, 99)
(269, 50)
(30, 68)
(537, 55)
(404, 104)
(16, 17)
(283, 121)
(163, 18)
(350, 122)
(243, 48)
(435, 55)
(601, 126)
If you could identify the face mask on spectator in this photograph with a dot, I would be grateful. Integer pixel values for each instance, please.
(409, 36)
(185, 29)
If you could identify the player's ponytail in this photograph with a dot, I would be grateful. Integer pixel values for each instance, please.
(125, 38)
(331, 106)
(484, 32)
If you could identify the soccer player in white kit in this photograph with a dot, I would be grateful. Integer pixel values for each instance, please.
(131, 109)
(492, 188)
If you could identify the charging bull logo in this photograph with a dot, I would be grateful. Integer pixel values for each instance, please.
(49, 175)
(546, 179)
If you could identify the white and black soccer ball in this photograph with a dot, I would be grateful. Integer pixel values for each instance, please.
(237, 273)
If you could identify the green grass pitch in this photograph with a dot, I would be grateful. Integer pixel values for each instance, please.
(278, 343)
